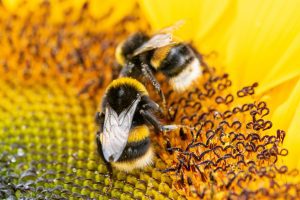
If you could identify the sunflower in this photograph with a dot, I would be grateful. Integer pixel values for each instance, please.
(57, 57)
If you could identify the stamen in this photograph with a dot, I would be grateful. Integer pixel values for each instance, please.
(230, 135)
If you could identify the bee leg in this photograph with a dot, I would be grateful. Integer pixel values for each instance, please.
(127, 70)
(99, 119)
(100, 152)
(149, 117)
(150, 104)
(148, 73)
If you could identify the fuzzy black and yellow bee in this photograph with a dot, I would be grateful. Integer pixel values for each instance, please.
(123, 139)
(141, 55)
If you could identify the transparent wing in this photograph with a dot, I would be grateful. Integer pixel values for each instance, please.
(157, 41)
(116, 131)
(172, 28)
(162, 38)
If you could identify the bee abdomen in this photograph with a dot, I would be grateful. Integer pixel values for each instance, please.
(135, 150)
(178, 58)
(138, 152)
(142, 161)
(137, 145)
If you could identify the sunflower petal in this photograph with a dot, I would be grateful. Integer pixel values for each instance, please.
(200, 16)
(293, 139)
(287, 117)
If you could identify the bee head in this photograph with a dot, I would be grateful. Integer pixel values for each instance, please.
(126, 48)
(121, 97)
(122, 92)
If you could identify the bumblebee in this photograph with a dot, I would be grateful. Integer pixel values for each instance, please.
(142, 55)
(123, 138)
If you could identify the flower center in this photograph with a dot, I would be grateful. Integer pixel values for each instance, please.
(233, 150)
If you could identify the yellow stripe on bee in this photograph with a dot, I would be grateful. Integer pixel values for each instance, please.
(140, 162)
(159, 55)
(130, 82)
(119, 54)
(138, 133)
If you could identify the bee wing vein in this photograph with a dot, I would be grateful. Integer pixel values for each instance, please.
(117, 128)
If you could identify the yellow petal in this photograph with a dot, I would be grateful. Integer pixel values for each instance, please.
(287, 117)
(293, 138)
(264, 42)
(200, 16)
